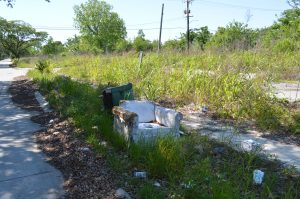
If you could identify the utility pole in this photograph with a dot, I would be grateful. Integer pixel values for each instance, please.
(187, 12)
(160, 30)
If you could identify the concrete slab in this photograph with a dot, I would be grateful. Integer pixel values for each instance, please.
(288, 91)
(287, 153)
(24, 172)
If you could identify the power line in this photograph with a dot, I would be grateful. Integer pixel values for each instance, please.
(66, 28)
(155, 22)
(217, 3)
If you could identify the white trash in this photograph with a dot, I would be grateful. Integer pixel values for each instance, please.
(204, 109)
(258, 176)
(250, 145)
(122, 194)
(140, 174)
(157, 184)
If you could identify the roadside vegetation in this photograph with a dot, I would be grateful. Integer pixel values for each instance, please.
(190, 167)
(230, 71)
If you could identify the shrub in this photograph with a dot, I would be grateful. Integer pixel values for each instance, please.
(43, 66)
(285, 45)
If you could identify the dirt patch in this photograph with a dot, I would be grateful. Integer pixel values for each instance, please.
(86, 174)
(22, 92)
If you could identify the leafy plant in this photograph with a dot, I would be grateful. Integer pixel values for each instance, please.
(43, 66)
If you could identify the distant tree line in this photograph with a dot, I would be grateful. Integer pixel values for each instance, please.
(103, 31)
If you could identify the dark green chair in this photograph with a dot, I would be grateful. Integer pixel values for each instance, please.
(113, 95)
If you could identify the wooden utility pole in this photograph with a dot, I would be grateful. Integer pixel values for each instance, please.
(160, 29)
(187, 12)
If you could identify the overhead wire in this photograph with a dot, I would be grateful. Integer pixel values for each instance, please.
(218, 3)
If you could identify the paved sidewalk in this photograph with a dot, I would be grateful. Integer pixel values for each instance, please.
(24, 173)
(287, 153)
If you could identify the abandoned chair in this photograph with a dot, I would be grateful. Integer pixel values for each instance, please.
(144, 120)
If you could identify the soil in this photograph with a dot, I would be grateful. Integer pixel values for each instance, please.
(22, 92)
(86, 174)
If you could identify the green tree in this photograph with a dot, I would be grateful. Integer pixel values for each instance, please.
(235, 36)
(73, 44)
(53, 47)
(283, 35)
(140, 43)
(175, 44)
(294, 3)
(199, 36)
(98, 25)
(16, 37)
(123, 46)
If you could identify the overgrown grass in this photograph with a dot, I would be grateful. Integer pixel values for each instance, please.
(233, 85)
(186, 167)
(81, 103)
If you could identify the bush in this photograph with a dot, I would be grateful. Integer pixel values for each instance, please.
(285, 45)
(43, 66)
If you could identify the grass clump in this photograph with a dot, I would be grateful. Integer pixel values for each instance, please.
(81, 103)
(162, 158)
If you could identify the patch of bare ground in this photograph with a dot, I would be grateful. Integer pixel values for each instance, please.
(22, 92)
(86, 173)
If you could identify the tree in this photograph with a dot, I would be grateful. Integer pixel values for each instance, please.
(294, 3)
(73, 44)
(199, 36)
(235, 36)
(123, 46)
(101, 27)
(283, 35)
(140, 43)
(176, 44)
(10, 3)
(53, 47)
(16, 37)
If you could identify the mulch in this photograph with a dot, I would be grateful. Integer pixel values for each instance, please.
(86, 174)
(22, 94)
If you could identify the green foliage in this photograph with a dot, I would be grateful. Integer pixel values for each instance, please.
(175, 44)
(150, 192)
(199, 36)
(140, 43)
(99, 26)
(218, 80)
(52, 47)
(285, 45)
(66, 96)
(73, 44)
(16, 37)
(184, 170)
(235, 36)
(162, 157)
(43, 66)
(283, 35)
(294, 3)
(123, 46)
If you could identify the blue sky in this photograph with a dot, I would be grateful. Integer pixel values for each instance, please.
(57, 17)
